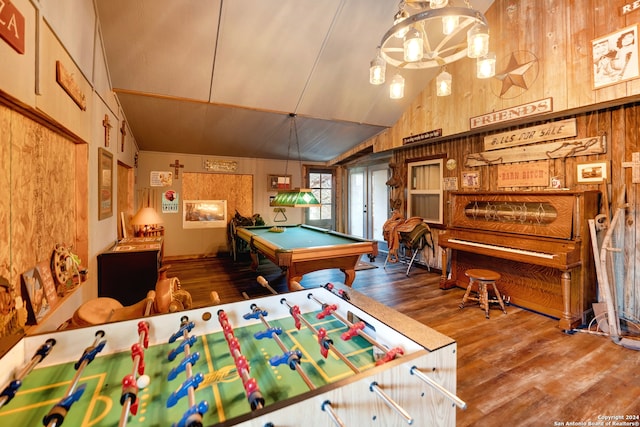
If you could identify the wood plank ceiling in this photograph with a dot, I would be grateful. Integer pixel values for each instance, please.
(216, 77)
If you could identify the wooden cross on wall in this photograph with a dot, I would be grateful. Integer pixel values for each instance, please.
(107, 129)
(123, 131)
(634, 164)
(177, 166)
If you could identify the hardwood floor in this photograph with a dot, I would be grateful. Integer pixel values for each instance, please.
(513, 369)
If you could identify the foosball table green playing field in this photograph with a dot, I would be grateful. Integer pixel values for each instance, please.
(308, 356)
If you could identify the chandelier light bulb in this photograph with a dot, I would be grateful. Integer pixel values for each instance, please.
(449, 24)
(377, 71)
(477, 41)
(413, 46)
(443, 84)
(437, 4)
(486, 66)
(396, 89)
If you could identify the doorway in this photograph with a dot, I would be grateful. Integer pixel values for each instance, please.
(368, 201)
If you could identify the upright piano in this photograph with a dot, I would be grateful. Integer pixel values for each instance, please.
(538, 241)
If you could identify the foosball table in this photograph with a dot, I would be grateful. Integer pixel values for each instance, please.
(317, 357)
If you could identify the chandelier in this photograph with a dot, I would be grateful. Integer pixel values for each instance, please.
(429, 34)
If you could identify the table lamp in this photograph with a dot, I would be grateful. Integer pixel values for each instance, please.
(146, 219)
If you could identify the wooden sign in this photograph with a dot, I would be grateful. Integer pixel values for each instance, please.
(66, 81)
(541, 151)
(48, 284)
(524, 175)
(422, 136)
(12, 26)
(546, 132)
(513, 113)
(630, 7)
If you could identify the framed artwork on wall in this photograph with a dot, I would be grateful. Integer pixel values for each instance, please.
(615, 57)
(470, 179)
(278, 182)
(105, 184)
(591, 172)
(204, 214)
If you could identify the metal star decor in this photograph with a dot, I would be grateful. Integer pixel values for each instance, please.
(514, 74)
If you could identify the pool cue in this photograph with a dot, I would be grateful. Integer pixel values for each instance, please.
(257, 312)
(349, 324)
(56, 415)
(10, 390)
(138, 368)
(328, 342)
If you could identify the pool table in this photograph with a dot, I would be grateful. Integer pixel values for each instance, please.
(301, 249)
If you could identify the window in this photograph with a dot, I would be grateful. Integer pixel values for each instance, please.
(424, 190)
(321, 183)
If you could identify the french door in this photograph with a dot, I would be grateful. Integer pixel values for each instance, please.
(368, 201)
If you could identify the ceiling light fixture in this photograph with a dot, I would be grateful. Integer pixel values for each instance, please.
(297, 197)
(428, 34)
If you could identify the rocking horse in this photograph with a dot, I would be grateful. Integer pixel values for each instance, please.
(166, 298)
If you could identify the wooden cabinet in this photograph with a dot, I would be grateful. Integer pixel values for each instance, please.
(129, 269)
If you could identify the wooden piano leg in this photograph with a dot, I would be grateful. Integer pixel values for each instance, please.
(566, 323)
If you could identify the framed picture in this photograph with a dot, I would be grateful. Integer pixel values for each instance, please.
(470, 179)
(278, 182)
(35, 295)
(204, 214)
(592, 172)
(105, 184)
(615, 57)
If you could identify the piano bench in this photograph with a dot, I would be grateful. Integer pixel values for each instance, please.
(483, 278)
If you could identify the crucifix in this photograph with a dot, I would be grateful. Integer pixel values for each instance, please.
(634, 164)
(177, 166)
(107, 128)
(123, 131)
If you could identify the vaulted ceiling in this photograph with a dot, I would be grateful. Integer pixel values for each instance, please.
(221, 77)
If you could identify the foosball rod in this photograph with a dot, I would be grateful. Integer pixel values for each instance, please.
(143, 342)
(56, 415)
(459, 402)
(252, 391)
(284, 348)
(312, 328)
(350, 325)
(10, 390)
(265, 284)
(191, 391)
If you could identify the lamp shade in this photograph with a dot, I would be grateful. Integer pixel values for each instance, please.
(296, 198)
(146, 216)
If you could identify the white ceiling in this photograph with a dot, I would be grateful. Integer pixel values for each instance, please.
(216, 77)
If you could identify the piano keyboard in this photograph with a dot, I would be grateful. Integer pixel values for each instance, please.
(502, 248)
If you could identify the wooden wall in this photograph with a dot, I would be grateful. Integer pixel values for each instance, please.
(554, 37)
(42, 205)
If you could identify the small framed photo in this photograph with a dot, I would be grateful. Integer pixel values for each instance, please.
(470, 179)
(592, 172)
(615, 57)
(278, 182)
(555, 182)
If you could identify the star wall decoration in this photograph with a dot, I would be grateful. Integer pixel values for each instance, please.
(520, 72)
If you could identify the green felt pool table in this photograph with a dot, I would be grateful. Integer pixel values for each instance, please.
(301, 249)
